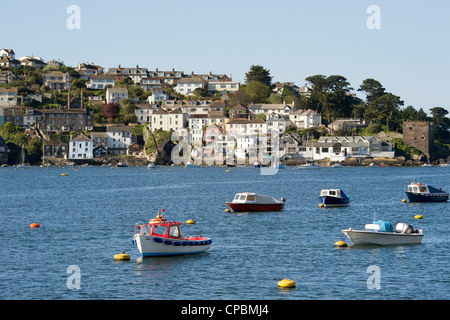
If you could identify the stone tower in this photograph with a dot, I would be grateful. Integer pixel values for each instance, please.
(419, 134)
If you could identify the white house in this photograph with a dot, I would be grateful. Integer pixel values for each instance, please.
(246, 127)
(342, 148)
(144, 112)
(80, 148)
(119, 139)
(197, 122)
(9, 97)
(267, 108)
(187, 86)
(305, 119)
(100, 81)
(158, 94)
(115, 95)
(277, 122)
(168, 120)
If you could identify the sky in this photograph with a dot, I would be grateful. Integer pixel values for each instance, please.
(408, 51)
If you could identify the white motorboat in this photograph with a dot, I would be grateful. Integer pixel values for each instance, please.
(309, 165)
(337, 165)
(151, 165)
(445, 164)
(382, 233)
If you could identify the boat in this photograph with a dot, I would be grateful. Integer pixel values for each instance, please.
(250, 201)
(256, 164)
(190, 164)
(382, 233)
(445, 164)
(308, 165)
(22, 160)
(337, 165)
(418, 192)
(373, 164)
(427, 165)
(122, 165)
(161, 237)
(333, 198)
(151, 165)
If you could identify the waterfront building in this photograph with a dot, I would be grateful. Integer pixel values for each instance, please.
(80, 148)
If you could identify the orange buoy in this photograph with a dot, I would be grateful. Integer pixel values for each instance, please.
(35, 225)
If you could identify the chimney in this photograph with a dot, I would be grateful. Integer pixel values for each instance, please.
(156, 70)
(192, 73)
(137, 66)
(210, 73)
(119, 66)
(173, 69)
(68, 99)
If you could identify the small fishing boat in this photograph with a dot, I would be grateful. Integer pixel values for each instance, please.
(190, 164)
(151, 165)
(122, 165)
(333, 198)
(418, 192)
(256, 164)
(382, 233)
(249, 201)
(161, 237)
(337, 165)
(309, 165)
(445, 164)
(427, 165)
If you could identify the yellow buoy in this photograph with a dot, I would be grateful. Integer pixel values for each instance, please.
(419, 216)
(340, 243)
(64, 174)
(190, 221)
(227, 210)
(286, 283)
(122, 256)
(403, 200)
(321, 205)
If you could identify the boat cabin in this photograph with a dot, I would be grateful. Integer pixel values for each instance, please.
(248, 197)
(331, 192)
(417, 188)
(161, 228)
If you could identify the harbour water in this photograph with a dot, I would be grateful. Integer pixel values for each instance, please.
(88, 216)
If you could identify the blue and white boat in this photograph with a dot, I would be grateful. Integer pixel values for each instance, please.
(190, 164)
(418, 192)
(333, 198)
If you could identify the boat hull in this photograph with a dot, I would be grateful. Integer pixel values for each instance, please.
(246, 207)
(365, 237)
(415, 197)
(152, 246)
(329, 201)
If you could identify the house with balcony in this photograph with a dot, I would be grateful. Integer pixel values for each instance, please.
(57, 80)
(99, 82)
(136, 74)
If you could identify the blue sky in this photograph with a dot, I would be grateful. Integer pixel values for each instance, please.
(409, 55)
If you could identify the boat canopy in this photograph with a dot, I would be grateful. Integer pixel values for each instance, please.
(334, 193)
(248, 197)
(384, 225)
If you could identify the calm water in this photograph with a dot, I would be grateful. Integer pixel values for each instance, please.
(88, 217)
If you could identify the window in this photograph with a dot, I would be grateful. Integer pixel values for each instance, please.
(158, 229)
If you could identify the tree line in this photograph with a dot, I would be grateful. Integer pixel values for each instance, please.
(333, 97)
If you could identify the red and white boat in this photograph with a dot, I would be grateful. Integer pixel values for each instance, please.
(249, 201)
(161, 237)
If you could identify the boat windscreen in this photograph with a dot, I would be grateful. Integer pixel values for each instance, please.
(159, 229)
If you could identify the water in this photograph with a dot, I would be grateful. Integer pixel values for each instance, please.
(88, 216)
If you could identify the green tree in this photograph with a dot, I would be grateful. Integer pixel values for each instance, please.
(385, 111)
(258, 73)
(258, 92)
(372, 89)
(441, 123)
